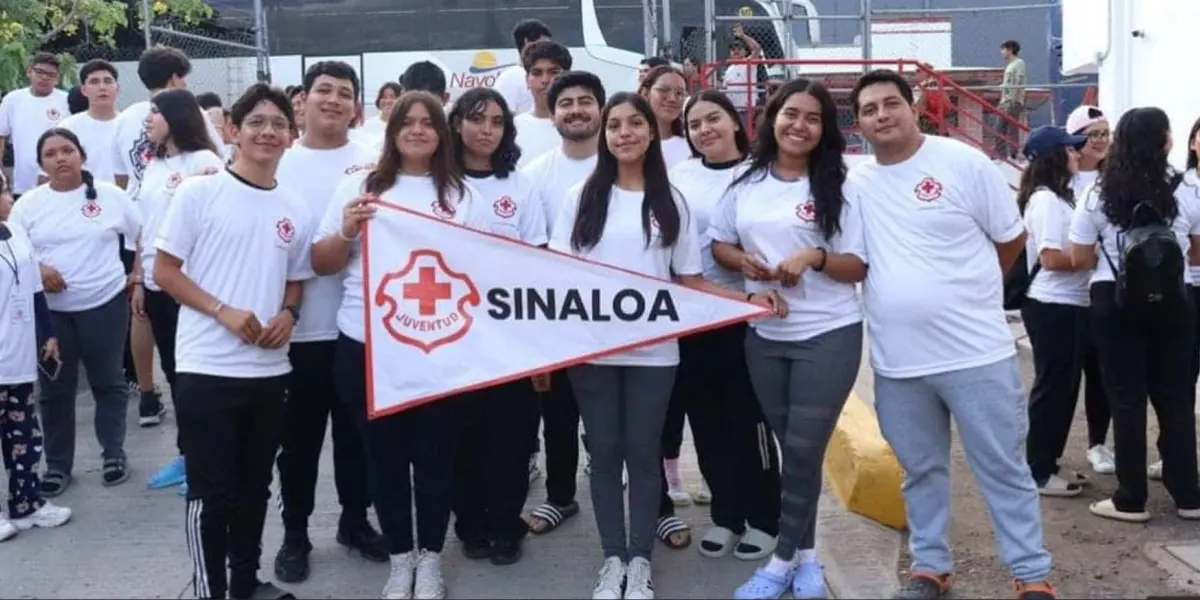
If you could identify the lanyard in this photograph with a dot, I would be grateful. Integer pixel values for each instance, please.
(11, 263)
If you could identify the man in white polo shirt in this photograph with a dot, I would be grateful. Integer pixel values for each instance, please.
(941, 229)
(233, 251)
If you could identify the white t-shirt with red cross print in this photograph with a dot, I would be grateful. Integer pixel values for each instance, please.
(24, 117)
(774, 219)
(241, 243)
(161, 180)
(934, 292)
(80, 238)
(515, 205)
(313, 175)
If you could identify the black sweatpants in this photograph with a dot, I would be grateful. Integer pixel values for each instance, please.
(312, 401)
(1196, 342)
(127, 258)
(1095, 399)
(560, 432)
(1144, 354)
(735, 447)
(229, 429)
(1060, 338)
(163, 312)
(491, 468)
(410, 457)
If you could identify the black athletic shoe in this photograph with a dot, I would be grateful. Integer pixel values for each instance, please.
(291, 563)
(151, 409)
(362, 536)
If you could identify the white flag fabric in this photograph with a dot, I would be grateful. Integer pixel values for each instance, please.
(450, 309)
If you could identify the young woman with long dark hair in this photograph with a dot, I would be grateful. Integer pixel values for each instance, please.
(734, 445)
(497, 425)
(183, 149)
(791, 224)
(1055, 312)
(75, 223)
(628, 215)
(411, 454)
(1090, 121)
(1145, 340)
(665, 88)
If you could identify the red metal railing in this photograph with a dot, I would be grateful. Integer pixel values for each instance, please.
(969, 116)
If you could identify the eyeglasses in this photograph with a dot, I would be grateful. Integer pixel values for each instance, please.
(43, 73)
(262, 124)
(1099, 136)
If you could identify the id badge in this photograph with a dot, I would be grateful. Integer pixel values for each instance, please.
(20, 309)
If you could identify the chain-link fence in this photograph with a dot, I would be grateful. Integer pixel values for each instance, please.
(227, 52)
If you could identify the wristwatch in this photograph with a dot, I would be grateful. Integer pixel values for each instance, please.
(295, 312)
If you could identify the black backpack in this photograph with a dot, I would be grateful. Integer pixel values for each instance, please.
(1150, 262)
(1017, 282)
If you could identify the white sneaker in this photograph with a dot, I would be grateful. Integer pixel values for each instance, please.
(7, 530)
(47, 516)
(676, 491)
(399, 585)
(1154, 471)
(430, 585)
(638, 584)
(1102, 460)
(612, 577)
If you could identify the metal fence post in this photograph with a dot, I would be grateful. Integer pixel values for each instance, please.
(710, 32)
(866, 9)
(146, 20)
(665, 42)
(260, 43)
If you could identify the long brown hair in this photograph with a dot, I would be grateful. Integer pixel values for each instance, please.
(447, 177)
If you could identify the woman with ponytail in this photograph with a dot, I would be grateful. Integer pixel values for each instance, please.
(75, 224)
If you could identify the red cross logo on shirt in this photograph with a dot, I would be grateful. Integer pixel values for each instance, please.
(505, 207)
(806, 212)
(53, 114)
(90, 209)
(285, 230)
(174, 180)
(928, 190)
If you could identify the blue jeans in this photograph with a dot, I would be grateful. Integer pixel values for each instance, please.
(988, 407)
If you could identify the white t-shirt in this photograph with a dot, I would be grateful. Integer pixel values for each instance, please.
(23, 119)
(1082, 180)
(535, 136)
(416, 193)
(373, 127)
(773, 219)
(79, 238)
(313, 175)
(1048, 219)
(242, 244)
(703, 186)
(160, 181)
(516, 207)
(97, 138)
(675, 150)
(133, 150)
(934, 292)
(1090, 226)
(19, 281)
(739, 78)
(623, 244)
(512, 84)
(554, 174)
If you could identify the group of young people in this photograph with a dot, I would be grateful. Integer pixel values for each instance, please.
(248, 272)
(1111, 300)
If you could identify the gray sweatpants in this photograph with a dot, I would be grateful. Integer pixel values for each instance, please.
(623, 410)
(97, 338)
(802, 387)
(988, 407)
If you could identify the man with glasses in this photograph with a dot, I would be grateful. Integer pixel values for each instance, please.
(26, 114)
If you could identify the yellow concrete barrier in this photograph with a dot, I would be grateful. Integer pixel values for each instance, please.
(861, 467)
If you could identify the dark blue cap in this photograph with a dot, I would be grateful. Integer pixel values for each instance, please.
(1047, 138)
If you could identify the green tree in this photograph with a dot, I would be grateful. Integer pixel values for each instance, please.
(26, 26)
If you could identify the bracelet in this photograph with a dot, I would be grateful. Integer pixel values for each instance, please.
(824, 258)
(216, 309)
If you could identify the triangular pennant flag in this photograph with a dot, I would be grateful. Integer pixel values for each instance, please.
(450, 309)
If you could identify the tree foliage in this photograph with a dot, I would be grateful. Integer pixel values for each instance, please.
(27, 26)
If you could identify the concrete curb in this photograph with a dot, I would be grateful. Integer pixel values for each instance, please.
(861, 557)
